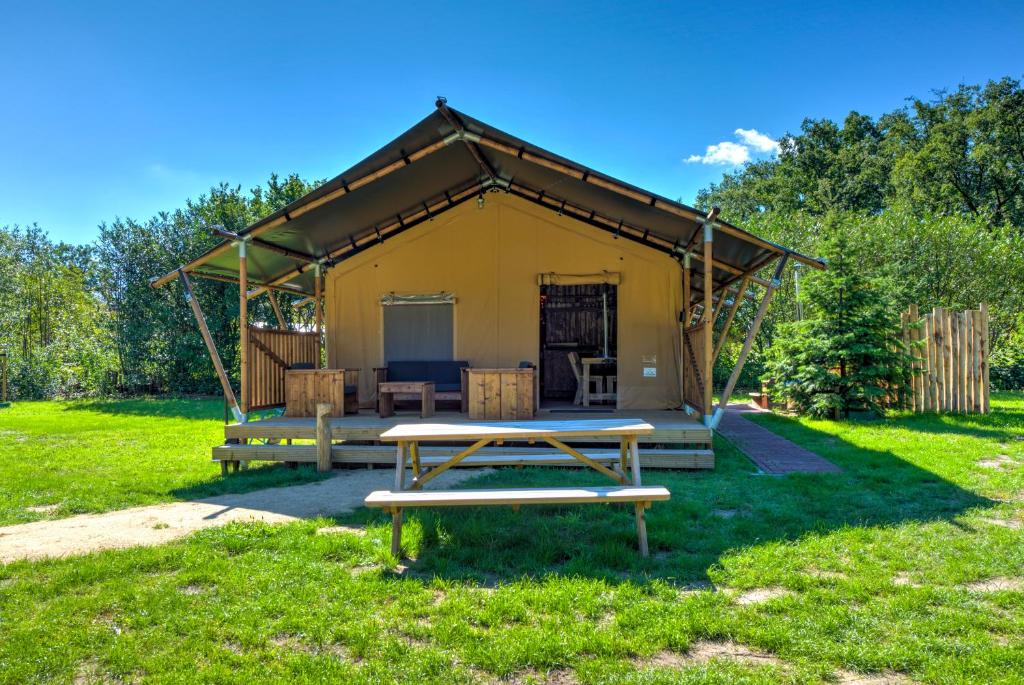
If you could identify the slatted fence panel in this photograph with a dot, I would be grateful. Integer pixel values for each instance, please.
(271, 352)
(951, 366)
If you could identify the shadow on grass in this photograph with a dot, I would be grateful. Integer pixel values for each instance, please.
(259, 477)
(169, 407)
(709, 515)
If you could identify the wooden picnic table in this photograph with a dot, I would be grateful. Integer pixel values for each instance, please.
(408, 437)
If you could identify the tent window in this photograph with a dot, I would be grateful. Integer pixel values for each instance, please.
(421, 332)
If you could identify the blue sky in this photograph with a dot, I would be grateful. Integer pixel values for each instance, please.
(125, 110)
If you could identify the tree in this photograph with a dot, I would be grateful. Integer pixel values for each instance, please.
(846, 354)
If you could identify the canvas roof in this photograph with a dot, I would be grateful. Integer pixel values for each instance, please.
(449, 158)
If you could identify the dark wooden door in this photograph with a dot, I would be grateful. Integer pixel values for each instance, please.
(572, 320)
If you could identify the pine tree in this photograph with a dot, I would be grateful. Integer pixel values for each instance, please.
(846, 355)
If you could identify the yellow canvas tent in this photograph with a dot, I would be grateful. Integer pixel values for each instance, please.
(457, 207)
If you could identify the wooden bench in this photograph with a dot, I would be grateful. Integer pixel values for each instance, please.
(395, 501)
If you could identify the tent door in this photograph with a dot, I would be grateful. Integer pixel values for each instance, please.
(575, 318)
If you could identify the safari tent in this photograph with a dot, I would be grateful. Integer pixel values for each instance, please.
(458, 241)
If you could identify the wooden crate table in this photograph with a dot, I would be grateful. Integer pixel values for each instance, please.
(409, 436)
(608, 393)
(386, 396)
(306, 388)
(499, 394)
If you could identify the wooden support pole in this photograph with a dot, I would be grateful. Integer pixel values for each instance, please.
(318, 305)
(204, 330)
(323, 436)
(281, 323)
(243, 326)
(755, 326)
(684, 323)
(737, 301)
(985, 360)
(709, 322)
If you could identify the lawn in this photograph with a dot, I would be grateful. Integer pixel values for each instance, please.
(909, 564)
(64, 458)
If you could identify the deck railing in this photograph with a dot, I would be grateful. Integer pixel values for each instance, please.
(271, 353)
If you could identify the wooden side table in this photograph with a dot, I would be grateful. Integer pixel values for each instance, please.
(386, 396)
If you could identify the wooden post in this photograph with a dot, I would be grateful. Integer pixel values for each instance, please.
(985, 359)
(729, 317)
(243, 326)
(281, 323)
(396, 513)
(755, 326)
(204, 330)
(323, 436)
(684, 323)
(318, 306)
(709, 322)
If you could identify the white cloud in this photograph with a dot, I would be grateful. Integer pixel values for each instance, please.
(725, 152)
(729, 153)
(757, 140)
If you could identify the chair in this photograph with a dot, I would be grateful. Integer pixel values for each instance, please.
(577, 371)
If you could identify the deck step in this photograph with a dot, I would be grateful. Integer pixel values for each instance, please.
(365, 428)
(515, 496)
(488, 456)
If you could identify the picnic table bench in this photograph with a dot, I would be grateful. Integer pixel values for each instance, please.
(408, 437)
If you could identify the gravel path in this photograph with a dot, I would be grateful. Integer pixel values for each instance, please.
(160, 523)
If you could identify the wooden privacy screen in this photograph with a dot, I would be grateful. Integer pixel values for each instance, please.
(271, 352)
(692, 365)
(951, 372)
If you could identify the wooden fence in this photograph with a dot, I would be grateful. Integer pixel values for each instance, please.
(271, 352)
(951, 372)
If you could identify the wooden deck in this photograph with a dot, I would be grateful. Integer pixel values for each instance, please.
(678, 441)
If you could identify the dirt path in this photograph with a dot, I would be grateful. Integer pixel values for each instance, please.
(160, 523)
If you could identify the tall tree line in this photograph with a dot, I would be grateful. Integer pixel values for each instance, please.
(928, 198)
(82, 320)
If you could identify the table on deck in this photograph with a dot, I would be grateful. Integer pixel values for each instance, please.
(386, 396)
(606, 394)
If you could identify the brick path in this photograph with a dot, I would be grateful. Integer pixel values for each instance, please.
(772, 453)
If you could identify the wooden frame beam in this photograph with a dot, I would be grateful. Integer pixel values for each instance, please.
(709, 322)
(204, 330)
(278, 314)
(736, 302)
(243, 325)
(755, 326)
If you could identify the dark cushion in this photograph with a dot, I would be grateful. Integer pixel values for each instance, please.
(445, 373)
(407, 371)
(302, 366)
(351, 389)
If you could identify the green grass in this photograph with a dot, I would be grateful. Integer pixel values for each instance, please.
(872, 571)
(77, 457)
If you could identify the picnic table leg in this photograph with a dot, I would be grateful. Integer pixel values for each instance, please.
(396, 513)
(623, 451)
(641, 528)
(414, 450)
(634, 457)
